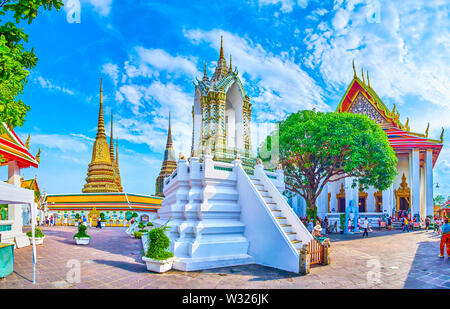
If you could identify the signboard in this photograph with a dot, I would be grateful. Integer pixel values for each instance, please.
(144, 218)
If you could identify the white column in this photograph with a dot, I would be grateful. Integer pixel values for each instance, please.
(429, 182)
(414, 176)
(14, 210)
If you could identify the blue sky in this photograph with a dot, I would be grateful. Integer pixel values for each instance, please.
(291, 55)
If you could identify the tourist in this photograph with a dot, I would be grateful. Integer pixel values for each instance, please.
(405, 225)
(366, 227)
(349, 225)
(389, 223)
(37, 220)
(51, 221)
(445, 238)
(310, 225)
(65, 221)
(359, 223)
(90, 222)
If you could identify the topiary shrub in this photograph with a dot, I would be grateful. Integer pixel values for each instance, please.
(81, 232)
(77, 216)
(158, 244)
(137, 234)
(37, 233)
(141, 225)
(149, 224)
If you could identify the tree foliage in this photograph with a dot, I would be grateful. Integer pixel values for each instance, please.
(15, 60)
(439, 199)
(317, 148)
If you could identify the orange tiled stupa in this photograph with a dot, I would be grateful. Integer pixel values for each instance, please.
(101, 171)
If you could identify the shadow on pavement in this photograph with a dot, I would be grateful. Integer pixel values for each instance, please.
(428, 271)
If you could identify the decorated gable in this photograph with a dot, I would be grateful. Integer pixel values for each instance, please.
(361, 105)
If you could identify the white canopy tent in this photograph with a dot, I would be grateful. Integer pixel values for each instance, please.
(10, 194)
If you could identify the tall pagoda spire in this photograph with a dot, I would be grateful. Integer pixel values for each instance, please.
(169, 163)
(116, 166)
(100, 176)
(221, 68)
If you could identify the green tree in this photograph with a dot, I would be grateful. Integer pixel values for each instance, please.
(317, 148)
(15, 60)
(439, 199)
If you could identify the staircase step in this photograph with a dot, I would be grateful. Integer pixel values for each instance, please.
(280, 217)
(295, 241)
(285, 225)
(275, 210)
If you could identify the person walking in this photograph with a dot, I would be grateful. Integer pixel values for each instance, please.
(349, 225)
(405, 225)
(445, 238)
(366, 227)
(389, 223)
(427, 223)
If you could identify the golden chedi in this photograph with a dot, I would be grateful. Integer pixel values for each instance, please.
(101, 171)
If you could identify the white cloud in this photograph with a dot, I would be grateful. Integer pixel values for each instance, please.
(112, 70)
(102, 7)
(47, 84)
(404, 53)
(279, 84)
(64, 143)
(286, 6)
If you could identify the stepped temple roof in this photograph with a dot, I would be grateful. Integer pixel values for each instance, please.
(360, 98)
(12, 149)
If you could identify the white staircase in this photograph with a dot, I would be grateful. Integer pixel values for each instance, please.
(219, 216)
(277, 213)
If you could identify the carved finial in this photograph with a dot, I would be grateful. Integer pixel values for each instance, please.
(238, 156)
(393, 111)
(259, 161)
(407, 124)
(27, 143)
(182, 157)
(426, 131)
(231, 65)
(362, 73)
(279, 166)
(38, 156)
(354, 70)
(368, 80)
(205, 74)
(442, 135)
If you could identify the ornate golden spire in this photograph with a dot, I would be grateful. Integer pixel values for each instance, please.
(442, 135)
(231, 65)
(221, 68)
(426, 131)
(205, 74)
(101, 170)
(38, 156)
(354, 70)
(27, 143)
(221, 47)
(362, 72)
(407, 124)
(368, 80)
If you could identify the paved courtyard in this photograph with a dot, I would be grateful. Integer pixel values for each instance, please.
(113, 260)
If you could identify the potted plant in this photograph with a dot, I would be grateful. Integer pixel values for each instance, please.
(77, 217)
(342, 223)
(102, 219)
(157, 257)
(137, 234)
(82, 237)
(38, 236)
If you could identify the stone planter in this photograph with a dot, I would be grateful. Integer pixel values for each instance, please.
(82, 240)
(158, 266)
(76, 223)
(39, 240)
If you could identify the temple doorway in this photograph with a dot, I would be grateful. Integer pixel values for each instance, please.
(340, 198)
(362, 204)
(402, 196)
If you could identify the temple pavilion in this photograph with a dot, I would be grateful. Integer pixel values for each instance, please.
(14, 154)
(103, 191)
(412, 190)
